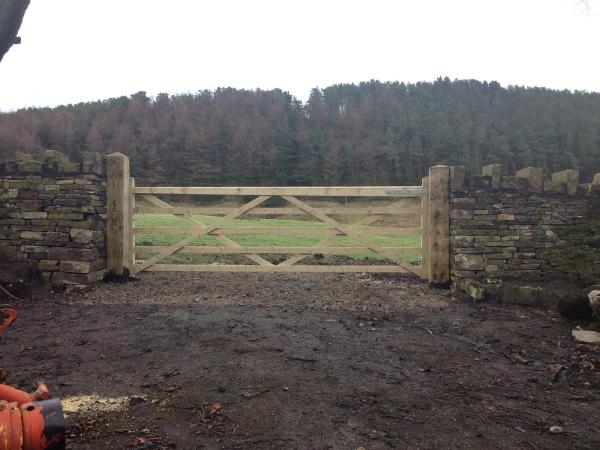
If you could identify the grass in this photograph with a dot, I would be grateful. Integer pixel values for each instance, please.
(259, 240)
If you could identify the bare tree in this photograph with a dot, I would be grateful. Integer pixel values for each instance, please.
(583, 6)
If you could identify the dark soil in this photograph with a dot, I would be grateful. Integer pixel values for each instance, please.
(305, 361)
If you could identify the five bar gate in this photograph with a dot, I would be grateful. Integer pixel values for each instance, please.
(428, 204)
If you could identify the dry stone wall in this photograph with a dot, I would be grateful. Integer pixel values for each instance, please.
(520, 227)
(53, 216)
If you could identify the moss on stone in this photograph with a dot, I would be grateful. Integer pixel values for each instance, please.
(577, 256)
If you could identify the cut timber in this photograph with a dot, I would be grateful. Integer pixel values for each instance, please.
(279, 268)
(439, 225)
(400, 211)
(425, 232)
(373, 231)
(119, 216)
(333, 191)
(228, 250)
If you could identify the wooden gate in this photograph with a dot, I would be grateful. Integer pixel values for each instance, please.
(335, 229)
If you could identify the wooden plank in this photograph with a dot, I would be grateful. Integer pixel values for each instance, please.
(439, 225)
(118, 227)
(326, 191)
(409, 210)
(356, 233)
(425, 233)
(278, 268)
(201, 232)
(131, 236)
(278, 250)
(373, 231)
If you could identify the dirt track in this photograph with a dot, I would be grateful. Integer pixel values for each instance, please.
(304, 361)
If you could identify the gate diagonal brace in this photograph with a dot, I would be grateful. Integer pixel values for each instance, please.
(349, 231)
(198, 224)
(202, 232)
(323, 245)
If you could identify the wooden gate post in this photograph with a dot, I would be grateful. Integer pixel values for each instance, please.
(119, 217)
(439, 225)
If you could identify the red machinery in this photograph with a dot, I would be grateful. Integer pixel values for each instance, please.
(28, 421)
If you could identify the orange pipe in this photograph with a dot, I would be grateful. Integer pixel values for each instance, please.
(11, 394)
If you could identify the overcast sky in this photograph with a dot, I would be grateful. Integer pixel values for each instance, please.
(78, 50)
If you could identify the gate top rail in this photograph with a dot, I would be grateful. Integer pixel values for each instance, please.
(327, 191)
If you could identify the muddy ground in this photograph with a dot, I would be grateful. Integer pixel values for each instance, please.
(303, 361)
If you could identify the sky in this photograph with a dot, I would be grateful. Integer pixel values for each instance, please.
(82, 50)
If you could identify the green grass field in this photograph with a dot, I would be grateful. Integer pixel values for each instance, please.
(258, 240)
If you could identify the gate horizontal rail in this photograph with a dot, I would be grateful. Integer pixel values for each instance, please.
(328, 191)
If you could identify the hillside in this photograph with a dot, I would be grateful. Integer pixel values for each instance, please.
(371, 133)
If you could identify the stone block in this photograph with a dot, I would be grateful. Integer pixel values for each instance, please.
(535, 177)
(554, 187)
(55, 236)
(596, 179)
(521, 295)
(73, 254)
(463, 200)
(457, 177)
(487, 238)
(461, 214)
(93, 162)
(503, 255)
(69, 167)
(77, 278)
(65, 216)
(462, 241)
(29, 166)
(9, 194)
(475, 290)
(34, 215)
(514, 184)
(75, 266)
(33, 249)
(53, 157)
(505, 217)
(463, 261)
(570, 178)
(482, 182)
(32, 235)
(495, 172)
(85, 236)
(49, 265)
